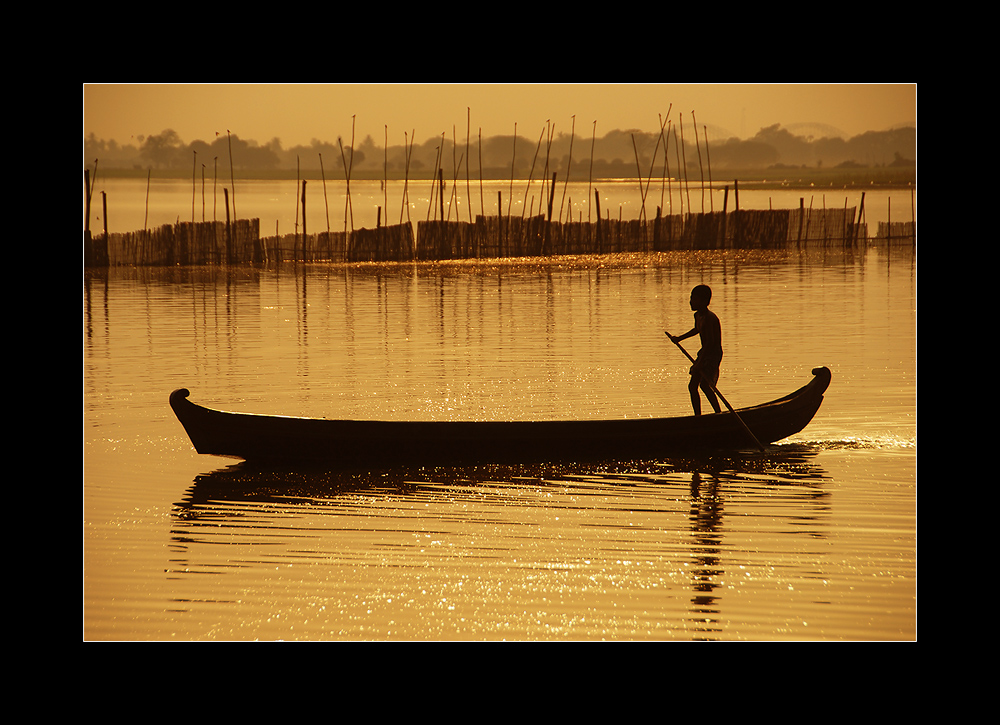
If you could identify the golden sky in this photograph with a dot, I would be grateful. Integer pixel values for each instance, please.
(299, 113)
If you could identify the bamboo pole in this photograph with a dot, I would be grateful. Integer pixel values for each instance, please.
(232, 174)
(644, 187)
(405, 203)
(385, 172)
(432, 207)
(441, 192)
(455, 165)
(597, 207)
(548, 150)
(670, 194)
(348, 207)
(500, 236)
(802, 215)
(326, 202)
(546, 242)
(725, 205)
(824, 234)
(680, 189)
(666, 174)
(590, 177)
(569, 163)
(708, 159)
(304, 233)
(145, 219)
(531, 172)
(652, 158)
(843, 234)
(468, 133)
(86, 201)
(482, 204)
(350, 168)
(663, 174)
(513, 160)
(861, 214)
(229, 229)
(194, 184)
(701, 168)
(687, 186)
(642, 196)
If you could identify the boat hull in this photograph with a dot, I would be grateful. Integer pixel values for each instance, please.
(367, 444)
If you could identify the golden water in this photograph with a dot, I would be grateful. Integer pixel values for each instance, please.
(814, 540)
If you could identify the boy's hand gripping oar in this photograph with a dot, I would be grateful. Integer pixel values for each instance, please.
(716, 391)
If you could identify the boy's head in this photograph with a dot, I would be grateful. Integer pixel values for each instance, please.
(701, 296)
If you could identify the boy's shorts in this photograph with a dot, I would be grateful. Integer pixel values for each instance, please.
(708, 368)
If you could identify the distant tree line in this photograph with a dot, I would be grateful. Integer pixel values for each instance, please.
(618, 153)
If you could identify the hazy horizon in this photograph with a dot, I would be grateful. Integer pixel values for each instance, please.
(298, 114)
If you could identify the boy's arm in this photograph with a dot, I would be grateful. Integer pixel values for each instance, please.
(678, 338)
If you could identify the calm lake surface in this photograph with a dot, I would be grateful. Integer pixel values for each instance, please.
(814, 540)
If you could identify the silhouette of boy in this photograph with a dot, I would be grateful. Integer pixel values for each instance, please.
(709, 358)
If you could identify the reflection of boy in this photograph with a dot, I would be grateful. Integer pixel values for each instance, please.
(705, 371)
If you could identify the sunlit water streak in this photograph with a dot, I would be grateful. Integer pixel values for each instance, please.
(815, 540)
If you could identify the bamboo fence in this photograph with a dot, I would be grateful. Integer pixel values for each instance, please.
(239, 242)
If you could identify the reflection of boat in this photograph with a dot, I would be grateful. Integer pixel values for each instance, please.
(352, 443)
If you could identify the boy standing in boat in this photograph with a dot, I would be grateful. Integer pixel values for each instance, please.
(705, 371)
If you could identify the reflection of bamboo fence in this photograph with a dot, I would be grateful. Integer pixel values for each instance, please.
(194, 243)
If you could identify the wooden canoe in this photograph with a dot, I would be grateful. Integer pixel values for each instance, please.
(383, 444)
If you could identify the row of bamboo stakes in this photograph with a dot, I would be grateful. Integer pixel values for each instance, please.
(438, 237)
(240, 242)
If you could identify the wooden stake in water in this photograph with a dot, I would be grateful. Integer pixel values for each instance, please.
(531, 173)
(590, 175)
(347, 173)
(304, 238)
(482, 207)
(708, 161)
(701, 168)
(405, 204)
(326, 202)
(194, 184)
(468, 187)
(232, 175)
(513, 159)
(86, 200)
(569, 163)
(683, 165)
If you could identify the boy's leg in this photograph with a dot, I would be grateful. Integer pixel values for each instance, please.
(712, 374)
(710, 396)
(693, 389)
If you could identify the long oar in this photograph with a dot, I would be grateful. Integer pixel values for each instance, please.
(720, 395)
